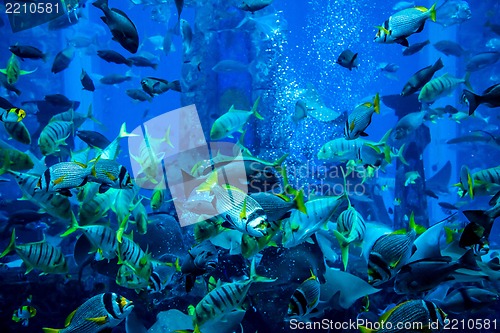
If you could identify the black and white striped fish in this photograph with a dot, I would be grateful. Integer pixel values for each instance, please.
(110, 174)
(98, 313)
(39, 255)
(62, 177)
(305, 298)
(351, 228)
(131, 254)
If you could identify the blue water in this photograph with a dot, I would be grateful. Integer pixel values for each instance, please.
(285, 48)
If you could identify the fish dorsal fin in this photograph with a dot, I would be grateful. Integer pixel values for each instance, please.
(243, 214)
(69, 318)
(367, 104)
(98, 320)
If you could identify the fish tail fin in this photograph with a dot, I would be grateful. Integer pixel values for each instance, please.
(472, 100)
(376, 103)
(468, 261)
(27, 72)
(101, 4)
(432, 11)
(401, 156)
(299, 201)
(386, 137)
(344, 247)
(74, 226)
(254, 277)
(51, 330)
(419, 229)
(279, 162)
(12, 244)
(121, 228)
(167, 139)
(254, 109)
(438, 65)
(90, 115)
(449, 235)
(124, 133)
(467, 80)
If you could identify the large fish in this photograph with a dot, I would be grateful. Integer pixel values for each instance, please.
(438, 87)
(490, 98)
(62, 177)
(404, 24)
(122, 28)
(98, 313)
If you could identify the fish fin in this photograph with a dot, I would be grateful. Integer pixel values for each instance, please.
(209, 183)
(12, 244)
(98, 320)
(124, 133)
(380, 28)
(3, 71)
(449, 235)
(376, 103)
(364, 329)
(74, 226)
(104, 188)
(468, 261)
(254, 109)
(21, 72)
(68, 320)
(403, 41)
(299, 202)
(467, 80)
(51, 330)
(243, 213)
(110, 176)
(354, 57)
(471, 99)
(432, 10)
(351, 125)
(419, 229)
(344, 247)
(363, 134)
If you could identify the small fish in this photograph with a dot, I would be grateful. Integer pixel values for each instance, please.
(157, 199)
(110, 174)
(63, 59)
(24, 313)
(254, 5)
(115, 79)
(138, 95)
(420, 78)
(100, 312)
(39, 255)
(413, 312)
(305, 298)
(154, 86)
(19, 132)
(12, 115)
(389, 253)
(240, 211)
(13, 70)
(348, 59)
(404, 24)
(86, 81)
(390, 68)
(139, 61)
(414, 48)
(93, 139)
(114, 57)
(27, 52)
(490, 98)
(438, 87)
(411, 177)
(359, 119)
(201, 259)
(131, 254)
(233, 121)
(482, 60)
(120, 25)
(448, 47)
(62, 177)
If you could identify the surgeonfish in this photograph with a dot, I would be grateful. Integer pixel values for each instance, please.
(39, 255)
(100, 312)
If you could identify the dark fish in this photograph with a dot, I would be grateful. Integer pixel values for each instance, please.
(482, 60)
(490, 98)
(493, 27)
(138, 95)
(468, 298)
(420, 78)
(179, 4)
(175, 85)
(414, 48)
(93, 138)
(426, 274)
(348, 59)
(201, 259)
(122, 28)
(448, 47)
(86, 81)
(63, 59)
(142, 62)
(27, 52)
(115, 79)
(431, 194)
(447, 205)
(154, 86)
(468, 138)
(113, 56)
(476, 233)
(10, 87)
(59, 100)
(254, 5)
